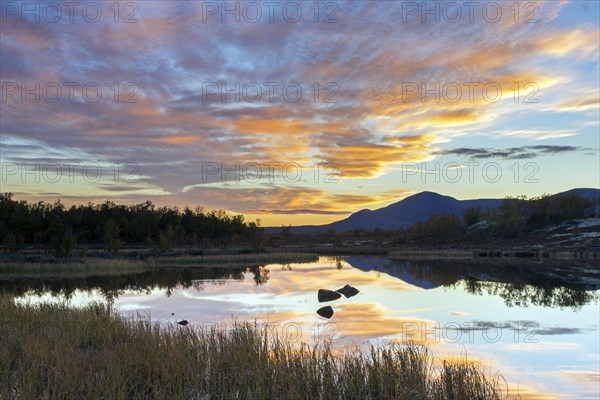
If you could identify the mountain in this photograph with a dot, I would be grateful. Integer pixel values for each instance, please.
(589, 193)
(418, 207)
(406, 212)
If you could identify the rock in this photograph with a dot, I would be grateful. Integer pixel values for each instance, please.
(327, 295)
(348, 291)
(325, 312)
(183, 322)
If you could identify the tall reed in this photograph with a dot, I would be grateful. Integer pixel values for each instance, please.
(51, 351)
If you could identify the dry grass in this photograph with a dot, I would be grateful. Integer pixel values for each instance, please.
(51, 351)
(89, 267)
(233, 260)
(71, 269)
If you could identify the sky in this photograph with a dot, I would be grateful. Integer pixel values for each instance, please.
(297, 112)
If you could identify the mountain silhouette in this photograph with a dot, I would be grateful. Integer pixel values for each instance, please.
(418, 207)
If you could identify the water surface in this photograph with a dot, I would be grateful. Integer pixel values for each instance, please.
(537, 324)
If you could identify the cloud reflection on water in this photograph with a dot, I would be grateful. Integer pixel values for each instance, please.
(387, 308)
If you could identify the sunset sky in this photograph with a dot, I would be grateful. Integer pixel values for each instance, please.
(357, 136)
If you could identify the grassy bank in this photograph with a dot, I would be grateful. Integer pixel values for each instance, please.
(71, 268)
(53, 352)
(89, 267)
(233, 260)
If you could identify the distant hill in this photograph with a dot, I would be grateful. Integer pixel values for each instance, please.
(418, 207)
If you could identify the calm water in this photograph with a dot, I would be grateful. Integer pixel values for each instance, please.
(541, 331)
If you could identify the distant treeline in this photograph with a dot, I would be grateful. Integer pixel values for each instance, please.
(516, 216)
(61, 228)
(112, 225)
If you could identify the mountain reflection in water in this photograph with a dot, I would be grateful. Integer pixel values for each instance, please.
(518, 284)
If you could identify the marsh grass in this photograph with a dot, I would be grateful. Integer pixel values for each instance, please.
(233, 260)
(71, 268)
(88, 267)
(50, 351)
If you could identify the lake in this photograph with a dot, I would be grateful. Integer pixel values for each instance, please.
(535, 323)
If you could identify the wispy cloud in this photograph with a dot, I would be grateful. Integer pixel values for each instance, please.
(514, 153)
(388, 92)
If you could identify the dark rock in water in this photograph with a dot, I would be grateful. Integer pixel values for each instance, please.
(183, 322)
(328, 295)
(348, 291)
(325, 312)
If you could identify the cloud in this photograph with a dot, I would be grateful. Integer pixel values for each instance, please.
(556, 42)
(380, 324)
(513, 153)
(582, 377)
(580, 104)
(459, 313)
(537, 134)
(529, 329)
(284, 200)
(356, 110)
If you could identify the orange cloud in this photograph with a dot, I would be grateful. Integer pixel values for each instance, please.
(291, 200)
(184, 139)
(377, 122)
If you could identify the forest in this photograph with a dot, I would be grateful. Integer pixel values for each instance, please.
(114, 225)
(60, 228)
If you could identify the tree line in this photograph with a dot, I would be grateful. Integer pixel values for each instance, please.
(112, 225)
(514, 217)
